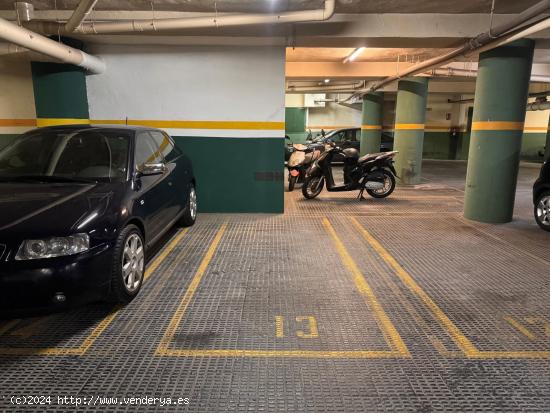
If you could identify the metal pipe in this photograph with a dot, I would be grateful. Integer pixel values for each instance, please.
(211, 21)
(475, 44)
(79, 15)
(328, 88)
(451, 71)
(33, 41)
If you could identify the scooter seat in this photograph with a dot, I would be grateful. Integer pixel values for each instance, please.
(369, 157)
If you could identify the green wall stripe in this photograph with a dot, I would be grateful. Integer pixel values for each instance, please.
(237, 175)
(59, 91)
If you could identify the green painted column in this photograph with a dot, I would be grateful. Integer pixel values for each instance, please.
(547, 146)
(371, 122)
(410, 115)
(499, 113)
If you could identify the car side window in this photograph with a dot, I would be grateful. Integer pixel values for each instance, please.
(353, 135)
(146, 151)
(165, 145)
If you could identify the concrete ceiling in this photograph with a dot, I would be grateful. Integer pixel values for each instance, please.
(343, 6)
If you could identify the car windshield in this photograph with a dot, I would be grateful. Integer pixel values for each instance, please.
(320, 137)
(67, 155)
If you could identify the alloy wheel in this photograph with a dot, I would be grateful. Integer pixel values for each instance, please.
(543, 210)
(193, 203)
(133, 260)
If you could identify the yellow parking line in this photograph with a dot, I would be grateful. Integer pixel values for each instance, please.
(361, 354)
(460, 339)
(99, 329)
(467, 347)
(178, 315)
(391, 335)
(521, 328)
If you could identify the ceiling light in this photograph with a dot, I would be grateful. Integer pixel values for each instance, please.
(327, 80)
(354, 55)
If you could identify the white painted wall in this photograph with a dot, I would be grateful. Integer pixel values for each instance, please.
(191, 83)
(16, 92)
(333, 116)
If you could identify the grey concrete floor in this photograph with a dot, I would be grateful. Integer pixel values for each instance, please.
(338, 305)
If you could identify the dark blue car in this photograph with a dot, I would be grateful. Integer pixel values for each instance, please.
(79, 207)
(541, 197)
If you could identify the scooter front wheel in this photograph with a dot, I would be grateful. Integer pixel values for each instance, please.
(313, 186)
(389, 186)
(291, 182)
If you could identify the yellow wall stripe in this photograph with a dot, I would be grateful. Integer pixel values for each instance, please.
(194, 124)
(17, 122)
(497, 125)
(409, 126)
(371, 127)
(41, 122)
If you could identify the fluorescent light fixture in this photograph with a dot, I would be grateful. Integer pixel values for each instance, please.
(327, 80)
(354, 55)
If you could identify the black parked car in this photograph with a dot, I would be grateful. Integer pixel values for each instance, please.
(350, 138)
(80, 205)
(541, 197)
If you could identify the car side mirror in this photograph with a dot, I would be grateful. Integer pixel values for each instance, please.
(150, 169)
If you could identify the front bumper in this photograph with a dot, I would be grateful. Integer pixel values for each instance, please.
(36, 283)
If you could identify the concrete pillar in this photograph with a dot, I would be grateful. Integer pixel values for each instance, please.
(499, 113)
(410, 115)
(371, 122)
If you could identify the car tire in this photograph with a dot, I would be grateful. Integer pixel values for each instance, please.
(128, 267)
(542, 211)
(190, 212)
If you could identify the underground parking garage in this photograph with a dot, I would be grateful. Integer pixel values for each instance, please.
(301, 206)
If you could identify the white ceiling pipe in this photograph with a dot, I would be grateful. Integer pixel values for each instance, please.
(450, 71)
(79, 15)
(328, 88)
(489, 39)
(10, 48)
(33, 41)
(210, 21)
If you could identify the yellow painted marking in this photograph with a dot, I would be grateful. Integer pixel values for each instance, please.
(467, 347)
(41, 122)
(8, 325)
(30, 329)
(391, 335)
(17, 122)
(542, 129)
(178, 315)
(151, 268)
(360, 354)
(399, 349)
(194, 124)
(521, 328)
(497, 125)
(98, 330)
(279, 330)
(312, 327)
(371, 127)
(409, 126)
(460, 339)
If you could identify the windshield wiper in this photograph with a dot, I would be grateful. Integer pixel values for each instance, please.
(46, 178)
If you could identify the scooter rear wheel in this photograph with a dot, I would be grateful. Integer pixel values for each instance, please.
(389, 186)
(313, 186)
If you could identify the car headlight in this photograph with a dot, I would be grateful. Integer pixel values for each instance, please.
(34, 249)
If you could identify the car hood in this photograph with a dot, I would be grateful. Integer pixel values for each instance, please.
(35, 209)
